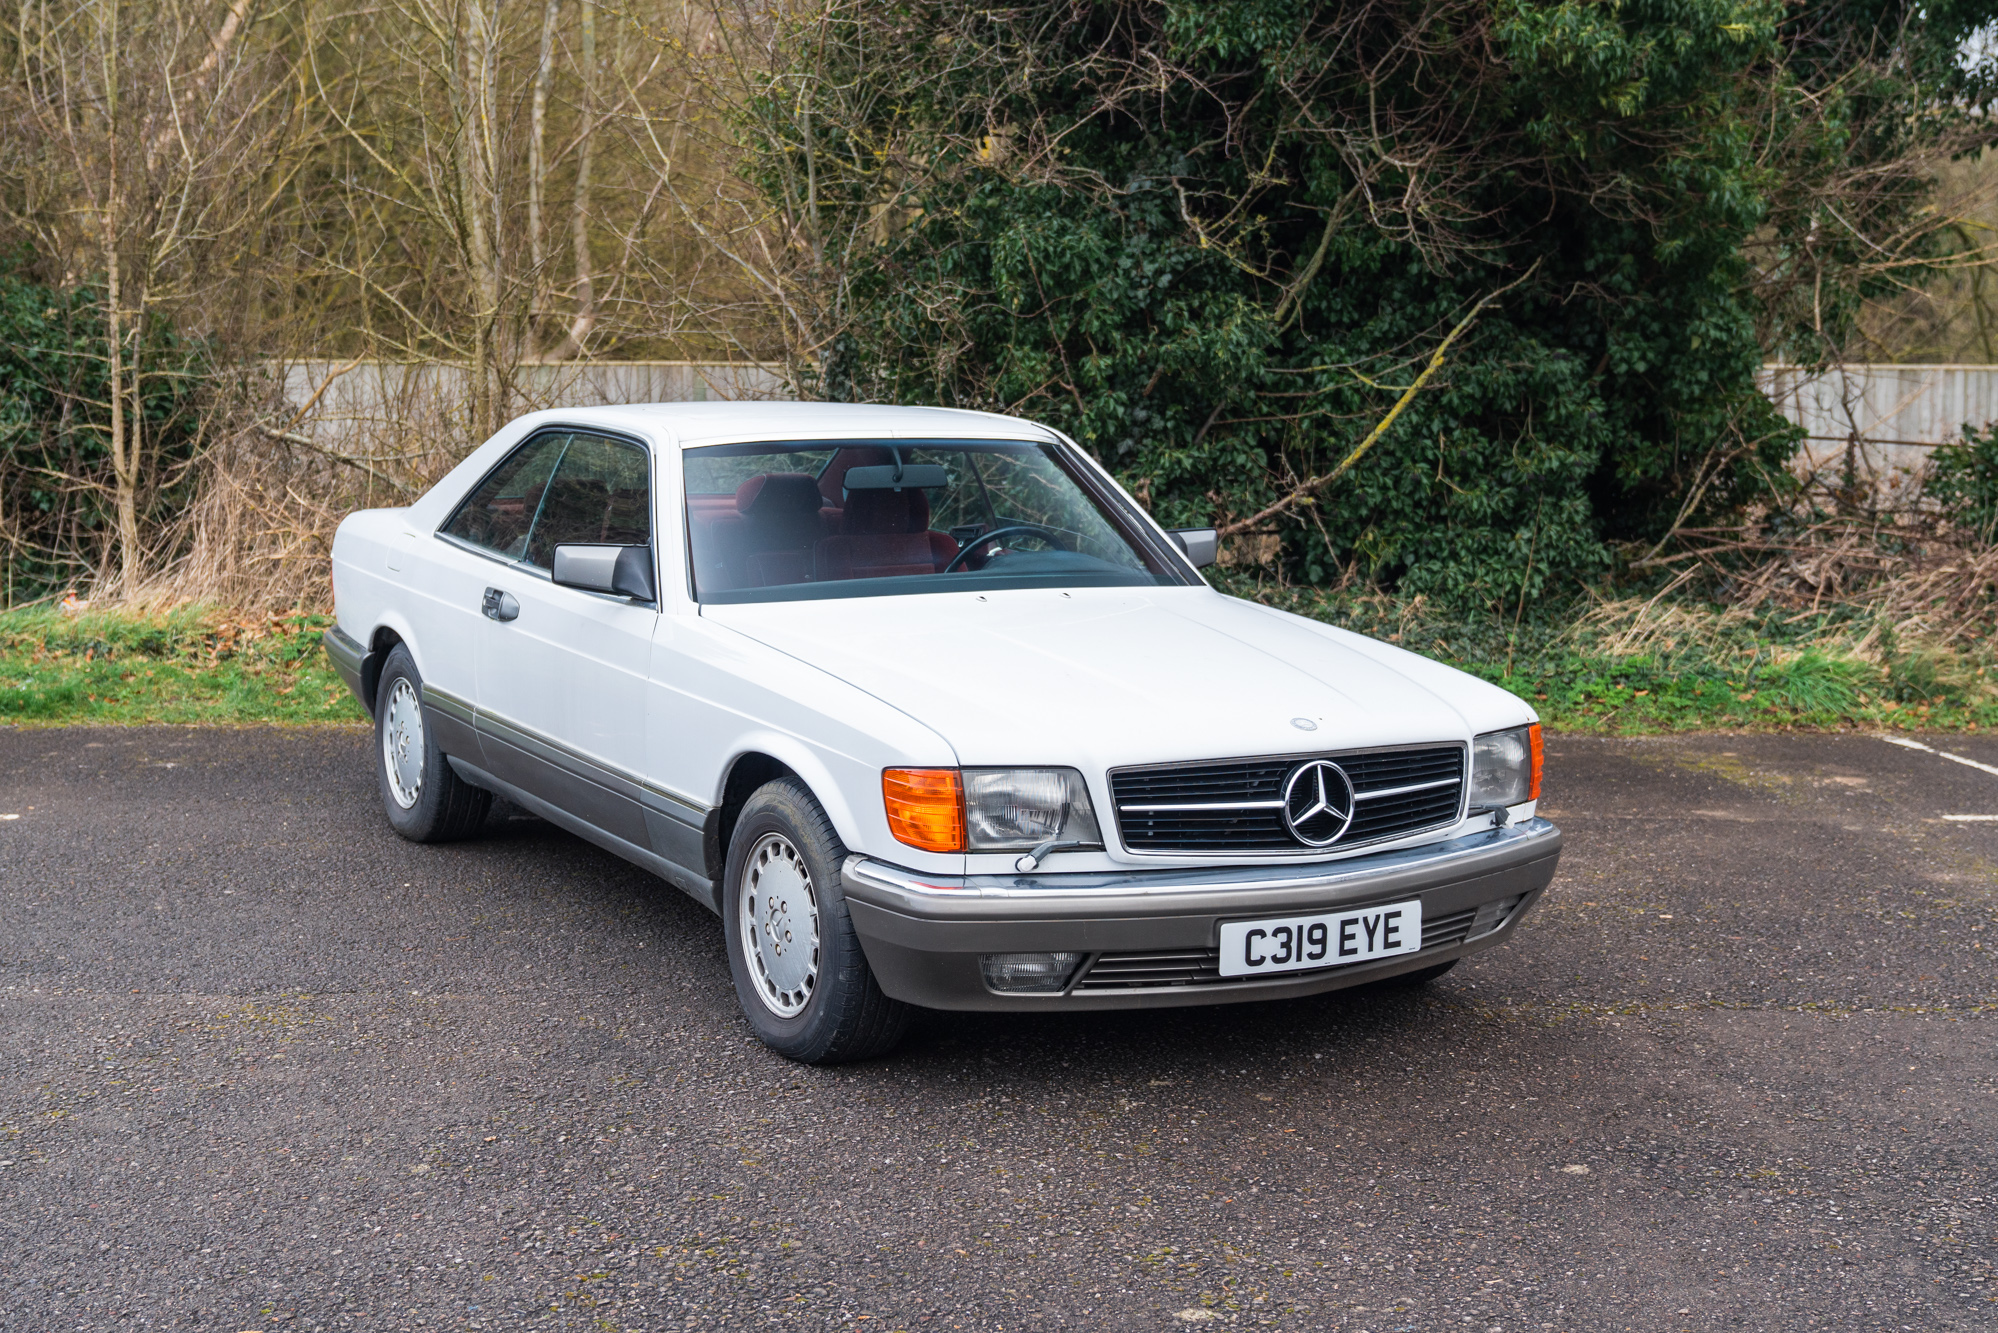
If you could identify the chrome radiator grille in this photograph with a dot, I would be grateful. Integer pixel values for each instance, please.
(1237, 805)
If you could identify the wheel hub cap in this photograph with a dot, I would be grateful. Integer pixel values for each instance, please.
(780, 926)
(402, 744)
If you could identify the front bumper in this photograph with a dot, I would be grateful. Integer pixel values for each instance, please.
(923, 934)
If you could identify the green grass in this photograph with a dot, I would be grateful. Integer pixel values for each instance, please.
(190, 665)
(1640, 668)
(1625, 668)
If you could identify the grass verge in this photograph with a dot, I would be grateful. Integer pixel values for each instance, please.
(1638, 667)
(188, 665)
(1629, 667)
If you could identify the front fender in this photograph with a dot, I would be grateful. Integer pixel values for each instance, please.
(811, 768)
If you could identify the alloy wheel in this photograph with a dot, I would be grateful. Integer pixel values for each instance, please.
(402, 743)
(780, 925)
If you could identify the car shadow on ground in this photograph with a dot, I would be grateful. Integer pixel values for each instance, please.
(1224, 1040)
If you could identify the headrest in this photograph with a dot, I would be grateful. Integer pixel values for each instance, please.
(778, 493)
(881, 513)
(832, 481)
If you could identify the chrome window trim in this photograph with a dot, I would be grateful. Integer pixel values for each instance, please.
(652, 494)
(1074, 463)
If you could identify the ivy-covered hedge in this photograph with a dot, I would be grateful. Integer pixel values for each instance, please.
(56, 488)
(1214, 240)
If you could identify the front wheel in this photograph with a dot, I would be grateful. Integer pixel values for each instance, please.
(424, 799)
(1423, 976)
(800, 975)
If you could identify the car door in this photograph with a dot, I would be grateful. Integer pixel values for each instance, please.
(562, 672)
(470, 553)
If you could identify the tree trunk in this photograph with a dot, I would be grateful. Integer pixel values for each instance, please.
(537, 150)
(477, 205)
(576, 341)
(124, 451)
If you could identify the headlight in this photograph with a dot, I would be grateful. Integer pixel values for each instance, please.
(1012, 809)
(988, 809)
(1505, 768)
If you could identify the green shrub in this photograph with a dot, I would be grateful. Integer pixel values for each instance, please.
(1214, 242)
(1963, 480)
(56, 487)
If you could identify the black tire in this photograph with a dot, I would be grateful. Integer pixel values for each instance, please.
(1423, 976)
(442, 807)
(818, 1005)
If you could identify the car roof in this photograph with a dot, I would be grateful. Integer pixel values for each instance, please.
(689, 424)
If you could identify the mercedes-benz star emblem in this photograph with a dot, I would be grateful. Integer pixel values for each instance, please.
(1318, 803)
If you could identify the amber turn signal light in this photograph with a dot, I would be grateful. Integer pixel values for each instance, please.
(925, 807)
(1533, 740)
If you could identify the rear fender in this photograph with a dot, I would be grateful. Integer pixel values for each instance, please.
(398, 625)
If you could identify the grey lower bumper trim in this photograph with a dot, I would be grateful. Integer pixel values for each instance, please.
(698, 887)
(350, 660)
(923, 934)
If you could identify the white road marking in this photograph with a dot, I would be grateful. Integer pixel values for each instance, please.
(1907, 744)
(1968, 763)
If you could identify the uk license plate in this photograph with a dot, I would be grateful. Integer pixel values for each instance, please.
(1324, 939)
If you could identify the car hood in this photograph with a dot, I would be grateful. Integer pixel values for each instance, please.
(1103, 677)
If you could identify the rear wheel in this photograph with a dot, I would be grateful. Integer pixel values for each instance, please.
(424, 799)
(800, 975)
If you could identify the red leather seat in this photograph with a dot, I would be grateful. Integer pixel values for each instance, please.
(883, 533)
(780, 524)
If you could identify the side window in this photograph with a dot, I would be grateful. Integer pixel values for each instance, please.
(501, 512)
(601, 492)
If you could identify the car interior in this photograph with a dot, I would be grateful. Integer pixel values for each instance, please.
(790, 527)
(598, 493)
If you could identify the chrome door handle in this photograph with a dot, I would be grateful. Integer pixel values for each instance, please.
(499, 605)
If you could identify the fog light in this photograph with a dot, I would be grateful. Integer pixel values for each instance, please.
(1492, 915)
(1029, 973)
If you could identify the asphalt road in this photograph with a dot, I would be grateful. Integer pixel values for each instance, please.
(264, 1066)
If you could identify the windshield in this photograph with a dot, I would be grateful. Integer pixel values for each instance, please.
(808, 519)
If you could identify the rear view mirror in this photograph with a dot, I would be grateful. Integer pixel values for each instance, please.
(909, 476)
(1198, 545)
(622, 571)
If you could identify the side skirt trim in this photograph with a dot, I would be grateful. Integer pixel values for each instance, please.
(450, 718)
(698, 887)
(628, 785)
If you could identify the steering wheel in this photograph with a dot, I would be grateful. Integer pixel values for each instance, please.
(1045, 534)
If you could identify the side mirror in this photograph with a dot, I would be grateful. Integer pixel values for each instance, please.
(1198, 545)
(622, 571)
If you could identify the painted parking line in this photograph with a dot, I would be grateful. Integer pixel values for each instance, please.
(1907, 744)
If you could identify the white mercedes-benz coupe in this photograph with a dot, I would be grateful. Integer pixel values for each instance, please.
(931, 713)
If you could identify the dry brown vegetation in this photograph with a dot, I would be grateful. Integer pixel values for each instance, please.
(485, 186)
(496, 185)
